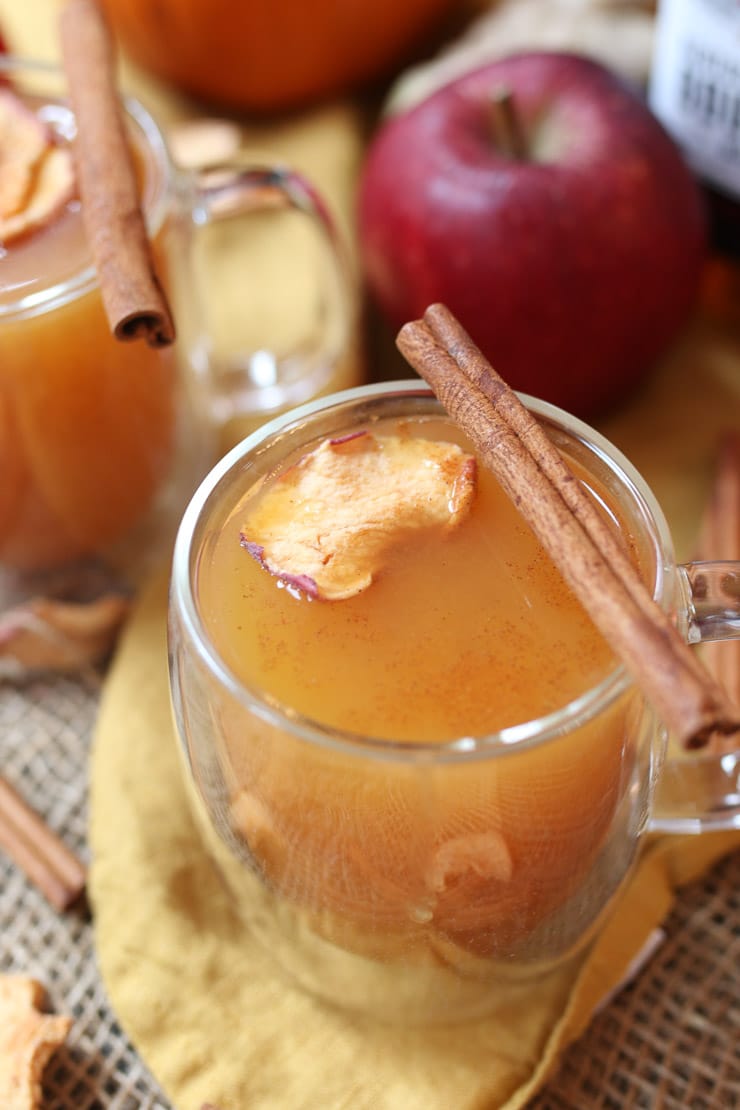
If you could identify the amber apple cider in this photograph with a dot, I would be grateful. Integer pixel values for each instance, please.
(462, 634)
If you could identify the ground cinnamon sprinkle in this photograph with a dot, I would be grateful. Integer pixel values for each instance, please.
(133, 297)
(534, 475)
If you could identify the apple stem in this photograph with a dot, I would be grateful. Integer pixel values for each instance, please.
(508, 131)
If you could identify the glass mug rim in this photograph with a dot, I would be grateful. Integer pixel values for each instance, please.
(460, 750)
(81, 282)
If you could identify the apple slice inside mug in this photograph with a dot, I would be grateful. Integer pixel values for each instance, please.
(484, 880)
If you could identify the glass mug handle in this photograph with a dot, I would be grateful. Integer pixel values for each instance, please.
(700, 791)
(253, 384)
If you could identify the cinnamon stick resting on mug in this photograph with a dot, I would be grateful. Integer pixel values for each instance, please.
(537, 479)
(132, 294)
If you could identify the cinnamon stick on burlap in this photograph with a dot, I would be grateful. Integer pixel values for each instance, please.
(134, 300)
(549, 496)
(38, 851)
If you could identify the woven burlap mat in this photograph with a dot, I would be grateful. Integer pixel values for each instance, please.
(670, 1039)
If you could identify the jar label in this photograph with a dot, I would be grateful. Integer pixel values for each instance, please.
(695, 85)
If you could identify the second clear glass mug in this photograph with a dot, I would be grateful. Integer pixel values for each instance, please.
(102, 442)
(295, 813)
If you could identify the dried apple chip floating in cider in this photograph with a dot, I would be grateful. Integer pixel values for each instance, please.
(23, 141)
(36, 176)
(327, 524)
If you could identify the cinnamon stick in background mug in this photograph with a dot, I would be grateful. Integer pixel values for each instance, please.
(132, 293)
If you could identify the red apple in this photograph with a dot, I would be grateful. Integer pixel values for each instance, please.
(574, 263)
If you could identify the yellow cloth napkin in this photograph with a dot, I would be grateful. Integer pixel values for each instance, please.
(200, 1001)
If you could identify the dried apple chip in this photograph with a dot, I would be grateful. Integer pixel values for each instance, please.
(23, 143)
(36, 176)
(328, 523)
(54, 185)
(28, 1040)
(45, 634)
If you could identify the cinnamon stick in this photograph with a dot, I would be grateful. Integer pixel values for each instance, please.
(38, 851)
(720, 539)
(550, 498)
(134, 300)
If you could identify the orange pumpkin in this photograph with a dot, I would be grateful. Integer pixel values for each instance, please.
(266, 55)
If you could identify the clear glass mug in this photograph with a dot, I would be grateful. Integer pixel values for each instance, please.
(102, 442)
(328, 840)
